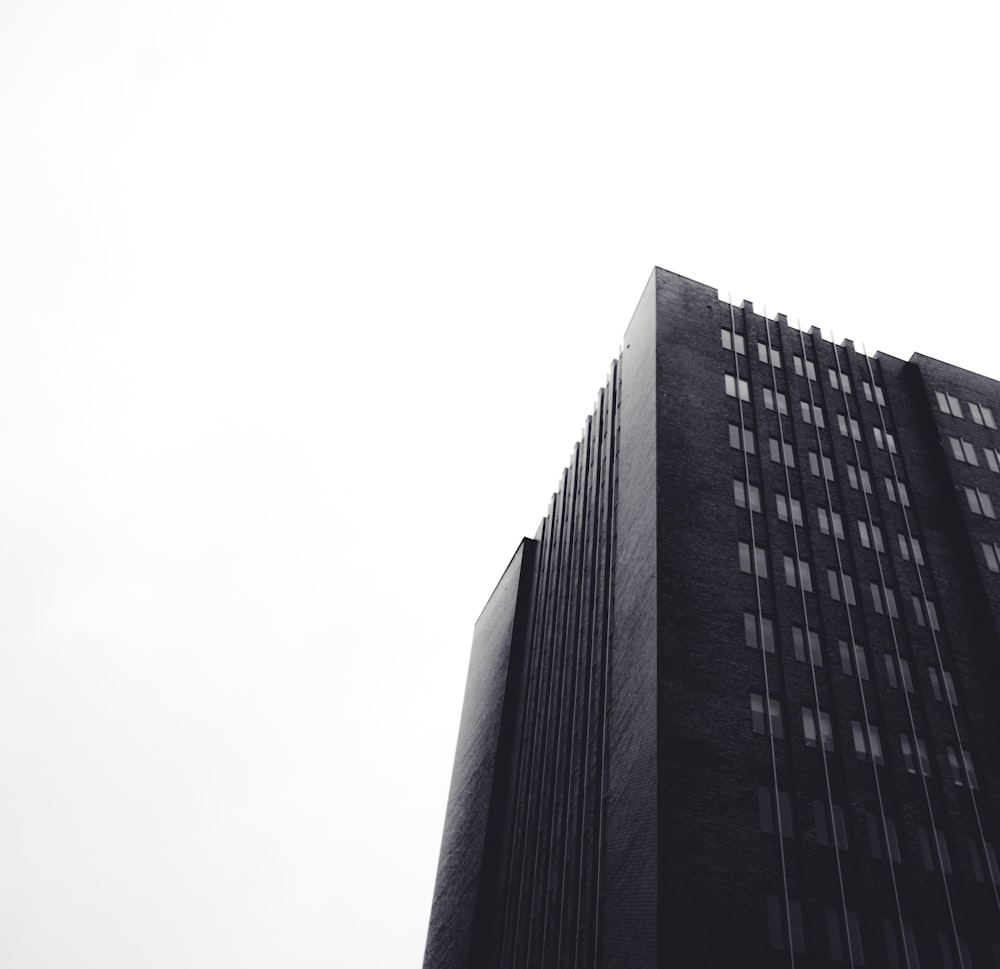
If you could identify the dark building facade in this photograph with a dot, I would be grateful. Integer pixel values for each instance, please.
(736, 703)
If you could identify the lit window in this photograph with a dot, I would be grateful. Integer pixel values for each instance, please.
(740, 495)
(785, 504)
(727, 342)
(980, 502)
(832, 519)
(775, 397)
(750, 622)
(816, 724)
(798, 645)
(948, 404)
(771, 821)
(990, 554)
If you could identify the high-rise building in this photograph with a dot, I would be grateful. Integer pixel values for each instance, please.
(737, 703)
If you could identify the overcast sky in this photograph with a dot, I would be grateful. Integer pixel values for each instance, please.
(302, 309)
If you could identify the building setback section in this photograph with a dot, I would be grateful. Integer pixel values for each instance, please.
(735, 702)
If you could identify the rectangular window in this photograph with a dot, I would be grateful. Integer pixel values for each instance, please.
(750, 631)
(762, 349)
(860, 662)
(840, 592)
(898, 673)
(799, 647)
(810, 368)
(828, 828)
(864, 480)
(915, 755)
(734, 383)
(831, 520)
(776, 450)
(772, 398)
(867, 538)
(867, 743)
(948, 404)
(789, 505)
(980, 502)
(976, 414)
(813, 414)
(740, 495)
(761, 557)
(925, 617)
(963, 451)
(727, 342)
(804, 574)
(836, 936)
(879, 396)
(992, 459)
(772, 722)
(814, 465)
(948, 686)
(816, 724)
(877, 835)
(769, 820)
(910, 550)
(778, 926)
(842, 424)
(749, 441)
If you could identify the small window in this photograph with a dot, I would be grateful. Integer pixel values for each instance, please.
(772, 722)
(860, 660)
(750, 622)
(775, 397)
(831, 831)
(948, 404)
(992, 459)
(890, 490)
(925, 616)
(776, 449)
(816, 724)
(804, 574)
(840, 592)
(882, 442)
(749, 441)
(734, 383)
(855, 480)
(915, 755)
(867, 743)
(949, 686)
(762, 355)
(798, 645)
(812, 414)
(882, 837)
(975, 413)
(727, 342)
(990, 554)
(789, 505)
(761, 557)
(771, 821)
(740, 495)
(980, 502)
(879, 396)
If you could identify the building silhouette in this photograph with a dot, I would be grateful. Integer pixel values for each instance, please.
(736, 703)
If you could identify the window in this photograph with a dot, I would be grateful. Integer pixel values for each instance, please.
(816, 724)
(910, 550)
(824, 827)
(890, 490)
(799, 647)
(814, 465)
(884, 441)
(843, 380)
(963, 451)
(990, 554)
(750, 632)
(779, 928)
(762, 355)
(855, 428)
(853, 479)
(860, 660)
(878, 835)
(804, 574)
(749, 441)
(867, 539)
(879, 396)
(949, 686)
(960, 775)
(914, 755)
(992, 459)
(838, 592)
(772, 397)
(789, 504)
(832, 519)
(980, 502)
(734, 383)
(867, 744)
(835, 933)
(898, 673)
(773, 722)
(761, 557)
(740, 492)
(886, 604)
(948, 404)
(978, 865)
(925, 617)
(776, 450)
(981, 414)
(769, 820)
(893, 945)
(812, 414)
(727, 342)
(810, 368)
(929, 854)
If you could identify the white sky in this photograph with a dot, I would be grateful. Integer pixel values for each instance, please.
(302, 309)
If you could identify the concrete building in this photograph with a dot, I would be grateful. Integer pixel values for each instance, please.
(735, 704)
